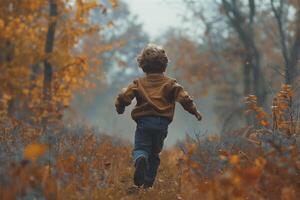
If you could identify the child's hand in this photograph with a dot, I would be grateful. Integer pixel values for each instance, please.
(198, 116)
(120, 110)
(123, 90)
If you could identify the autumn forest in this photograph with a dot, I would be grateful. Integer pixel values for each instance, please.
(63, 62)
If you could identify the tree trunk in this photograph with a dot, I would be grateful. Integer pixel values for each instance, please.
(247, 78)
(48, 71)
(291, 55)
(253, 78)
(295, 52)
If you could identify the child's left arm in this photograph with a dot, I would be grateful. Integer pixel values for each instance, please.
(125, 97)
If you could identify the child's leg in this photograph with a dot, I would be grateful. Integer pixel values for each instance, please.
(142, 144)
(141, 152)
(154, 160)
(151, 172)
(148, 143)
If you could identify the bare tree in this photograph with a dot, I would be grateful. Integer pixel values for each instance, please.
(243, 25)
(290, 50)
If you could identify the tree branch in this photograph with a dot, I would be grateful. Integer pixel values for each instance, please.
(278, 16)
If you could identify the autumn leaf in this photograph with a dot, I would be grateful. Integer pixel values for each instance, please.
(223, 154)
(264, 123)
(234, 159)
(260, 162)
(191, 149)
(34, 151)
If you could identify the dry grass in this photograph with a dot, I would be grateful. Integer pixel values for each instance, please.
(256, 162)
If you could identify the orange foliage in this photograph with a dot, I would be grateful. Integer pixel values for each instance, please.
(23, 32)
(87, 165)
(282, 111)
(34, 151)
(260, 114)
(83, 164)
(265, 168)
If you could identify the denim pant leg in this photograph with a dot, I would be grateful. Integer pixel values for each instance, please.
(154, 160)
(142, 143)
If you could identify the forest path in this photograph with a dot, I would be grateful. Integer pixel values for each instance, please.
(167, 185)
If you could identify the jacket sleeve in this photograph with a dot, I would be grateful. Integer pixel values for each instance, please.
(182, 96)
(125, 97)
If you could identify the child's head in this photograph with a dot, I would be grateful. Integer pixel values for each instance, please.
(153, 59)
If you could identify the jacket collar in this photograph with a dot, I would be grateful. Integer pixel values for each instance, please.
(155, 75)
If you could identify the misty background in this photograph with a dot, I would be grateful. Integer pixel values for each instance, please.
(139, 22)
(220, 51)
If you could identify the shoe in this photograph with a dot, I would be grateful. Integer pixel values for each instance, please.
(132, 190)
(147, 184)
(140, 171)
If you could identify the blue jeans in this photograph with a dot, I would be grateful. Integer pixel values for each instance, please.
(148, 142)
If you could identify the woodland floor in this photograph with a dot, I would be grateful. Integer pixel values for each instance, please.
(166, 186)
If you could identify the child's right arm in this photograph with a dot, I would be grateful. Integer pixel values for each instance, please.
(182, 96)
(125, 97)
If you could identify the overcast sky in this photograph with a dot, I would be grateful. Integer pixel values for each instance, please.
(157, 15)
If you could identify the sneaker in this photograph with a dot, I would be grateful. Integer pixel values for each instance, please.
(147, 184)
(140, 171)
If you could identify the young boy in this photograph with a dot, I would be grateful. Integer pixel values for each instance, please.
(156, 95)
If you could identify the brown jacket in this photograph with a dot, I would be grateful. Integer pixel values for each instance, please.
(156, 95)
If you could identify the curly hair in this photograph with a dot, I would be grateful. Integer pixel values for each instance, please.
(153, 59)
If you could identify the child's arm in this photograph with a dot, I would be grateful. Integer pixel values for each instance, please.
(125, 97)
(185, 100)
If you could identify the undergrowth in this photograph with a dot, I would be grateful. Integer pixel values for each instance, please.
(260, 161)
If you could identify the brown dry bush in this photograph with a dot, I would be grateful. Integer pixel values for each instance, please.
(258, 162)
(73, 163)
